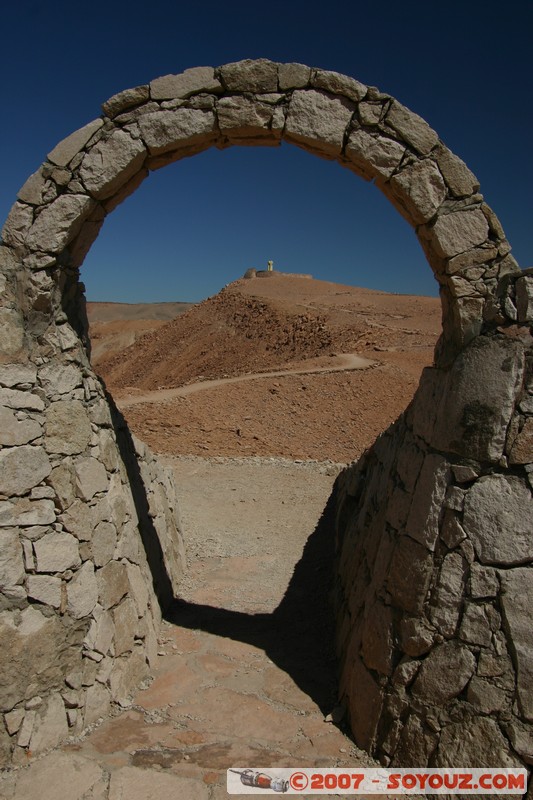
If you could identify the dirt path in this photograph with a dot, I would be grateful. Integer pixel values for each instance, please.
(343, 362)
(246, 673)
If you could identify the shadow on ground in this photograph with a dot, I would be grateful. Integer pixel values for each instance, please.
(299, 635)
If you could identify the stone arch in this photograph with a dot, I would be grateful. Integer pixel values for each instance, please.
(421, 583)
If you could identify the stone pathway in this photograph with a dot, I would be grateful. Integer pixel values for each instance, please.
(234, 687)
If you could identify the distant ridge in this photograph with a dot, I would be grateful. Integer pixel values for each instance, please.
(105, 311)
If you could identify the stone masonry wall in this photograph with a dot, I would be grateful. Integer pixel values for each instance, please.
(89, 542)
(88, 530)
(435, 567)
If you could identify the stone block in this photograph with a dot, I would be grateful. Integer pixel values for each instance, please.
(497, 518)
(56, 552)
(33, 642)
(476, 742)
(59, 223)
(82, 592)
(412, 128)
(373, 155)
(242, 117)
(14, 432)
(42, 779)
(11, 332)
(97, 704)
(377, 639)
(129, 543)
(416, 636)
(108, 450)
(365, 702)
(138, 589)
(456, 174)
(254, 76)
(64, 152)
(428, 500)
(478, 399)
(103, 543)
(125, 619)
(447, 599)
(112, 583)
(26, 729)
(339, 84)
(50, 726)
(293, 76)
(524, 298)
(126, 675)
(17, 225)
(192, 81)
(418, 190)
(318, 122)
(475, 627)
(62, 481)
(22, 468)
(517, 605)
(79, 520)
(455, 233)
(112, 163)
(25, 512)
(166, 131)
(486, 697)
(102, 636)
(417, 744)
(452, 533)
(13, 720)
(483, 582)
(45, 589)
(11, 561)
(32, 191)
(410, 574)
(522, 447)
(60, 378)
(19, 400)
(370, 113)
(14, 374)
(521, 737)
(91, 477)
(444, 673)
(125, 99)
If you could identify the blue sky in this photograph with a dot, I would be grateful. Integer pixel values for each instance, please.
(192, 227)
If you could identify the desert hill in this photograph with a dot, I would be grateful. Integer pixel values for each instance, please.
(280, 323)
(264, 324)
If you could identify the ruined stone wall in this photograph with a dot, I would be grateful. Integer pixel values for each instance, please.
(435, 565)
(87, 519)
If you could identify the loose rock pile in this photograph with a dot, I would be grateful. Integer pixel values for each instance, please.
(434, 532)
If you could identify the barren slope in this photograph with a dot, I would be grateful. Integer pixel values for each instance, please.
(281, 322)
(263, 324)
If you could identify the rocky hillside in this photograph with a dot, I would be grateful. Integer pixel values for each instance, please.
(259, 325)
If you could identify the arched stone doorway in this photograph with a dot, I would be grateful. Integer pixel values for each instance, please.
(434, 540)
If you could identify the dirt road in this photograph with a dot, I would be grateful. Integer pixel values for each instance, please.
(342, 362)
